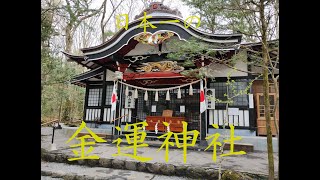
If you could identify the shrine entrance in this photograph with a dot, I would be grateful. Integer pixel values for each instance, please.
(187, 106)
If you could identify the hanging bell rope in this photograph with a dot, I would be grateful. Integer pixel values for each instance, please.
(156, 128)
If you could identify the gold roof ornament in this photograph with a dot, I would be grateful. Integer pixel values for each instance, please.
(161, 66)
(153, 39)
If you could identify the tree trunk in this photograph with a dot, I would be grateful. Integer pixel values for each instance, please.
(266, 89)
(268, 121)
(60, 109)
(276, 107)
(69, 40)
(101, 23)
(103, 36)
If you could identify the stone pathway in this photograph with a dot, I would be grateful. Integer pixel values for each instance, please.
(254, 162)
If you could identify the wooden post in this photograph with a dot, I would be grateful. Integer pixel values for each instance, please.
(203, 120)
(117, 122)
(252, 111)
(85, 104)
(104, 92)
(252, 117)
(53, 128)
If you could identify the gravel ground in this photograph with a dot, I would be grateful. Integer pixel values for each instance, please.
(99, 172)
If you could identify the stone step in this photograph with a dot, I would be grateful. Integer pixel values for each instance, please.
(240, 147)
(49, 178)
(67, 171)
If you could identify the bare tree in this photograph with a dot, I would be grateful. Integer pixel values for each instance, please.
(77, 11)
(85, 35)
(261, 17)
(103, 23)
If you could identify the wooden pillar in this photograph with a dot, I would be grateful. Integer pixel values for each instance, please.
(203, 128)
(104, 92)
(85, 104)
(203, 116)
(252, 115)
(118, 108)
(252, 111)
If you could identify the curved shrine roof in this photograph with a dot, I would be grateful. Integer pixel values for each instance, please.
(123, 41)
